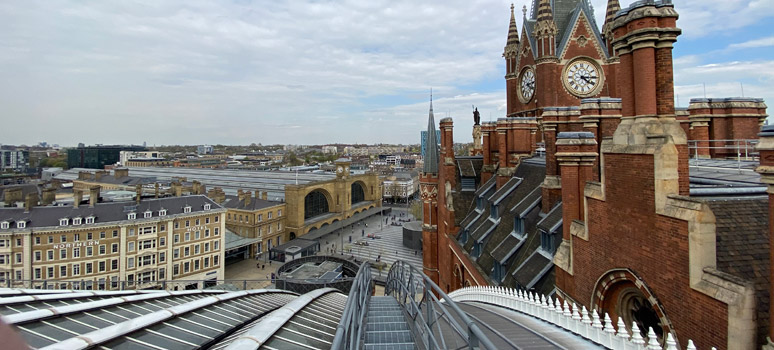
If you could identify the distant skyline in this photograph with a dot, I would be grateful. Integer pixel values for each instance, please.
(305, 72)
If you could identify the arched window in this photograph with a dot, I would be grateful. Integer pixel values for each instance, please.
(315, 204)
(358, 194)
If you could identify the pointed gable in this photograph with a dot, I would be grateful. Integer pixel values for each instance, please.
(582, 37)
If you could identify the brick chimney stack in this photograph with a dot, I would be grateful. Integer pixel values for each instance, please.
(77, 197)
(644, 35)
(600, 117)
(577, 153)
(248, 197)
(49, 196)
(30, 201)
(138, 193)
(120, 172)
(93, 195)
(265, 195)
(13, 195)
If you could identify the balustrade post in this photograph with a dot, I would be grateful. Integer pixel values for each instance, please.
(566, 315)
(652, 340)
(576, 320)
(622, 336)
(608, 336)
(586, 321)
(671, 344)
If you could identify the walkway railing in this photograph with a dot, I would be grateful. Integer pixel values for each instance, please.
(426, 314)
(349, 333)
(741, 149)
(577, 320)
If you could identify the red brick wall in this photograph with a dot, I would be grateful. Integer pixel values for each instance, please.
(625, 232)
(665, 90)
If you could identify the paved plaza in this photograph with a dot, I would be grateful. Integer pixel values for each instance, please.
(387, 249)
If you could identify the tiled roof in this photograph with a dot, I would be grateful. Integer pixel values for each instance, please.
(505, 190)
(553, 220)
(485, 189)
(499, 245)
(233, 202)
(532, 269)
(742, 238)
(528, 202)
(507, 248)
(431, 153)
(105, 212)
(469, 166)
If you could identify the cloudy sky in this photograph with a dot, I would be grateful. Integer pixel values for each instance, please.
(306, 72)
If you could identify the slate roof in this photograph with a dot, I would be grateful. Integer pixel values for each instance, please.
(532, 269)
(528, 203)
(431, 153)
(504, 191)
(105, 212)
(507, 248)
(485, 189)
(233, 202)
(470, 166)
(743, 247)
(565, 14)
(553, 221)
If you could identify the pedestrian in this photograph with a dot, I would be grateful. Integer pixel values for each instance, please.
(257, 265)
(263, 267)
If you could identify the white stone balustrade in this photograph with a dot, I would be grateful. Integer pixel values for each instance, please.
(572, 318)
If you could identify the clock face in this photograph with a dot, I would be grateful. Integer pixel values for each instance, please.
(527, 85)
(340, 170)
(582, 77)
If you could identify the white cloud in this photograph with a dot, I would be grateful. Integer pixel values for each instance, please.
(755, 43)
(200, 71)
(702, 18)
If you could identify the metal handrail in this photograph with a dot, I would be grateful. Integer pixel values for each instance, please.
(403, 284)
(349, 332)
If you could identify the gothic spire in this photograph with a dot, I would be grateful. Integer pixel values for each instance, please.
(544, 11)
(513, 31)
(512, 47)
(545, 29)
(431, 152)
(613, 6)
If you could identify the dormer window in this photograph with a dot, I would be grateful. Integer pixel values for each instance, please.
(187, 209)
(132, 216)
(90, 219)
(147, 214)
(493, 212)
(21, 224)
(464, 236)
(547, 242)
(163, 212)
(207, 206)
(64, 221)
(4, 225)
(518, 226)
(77, 221)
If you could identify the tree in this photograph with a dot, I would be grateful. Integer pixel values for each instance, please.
(416, 210)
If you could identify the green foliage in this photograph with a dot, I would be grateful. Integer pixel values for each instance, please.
(416, 210)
